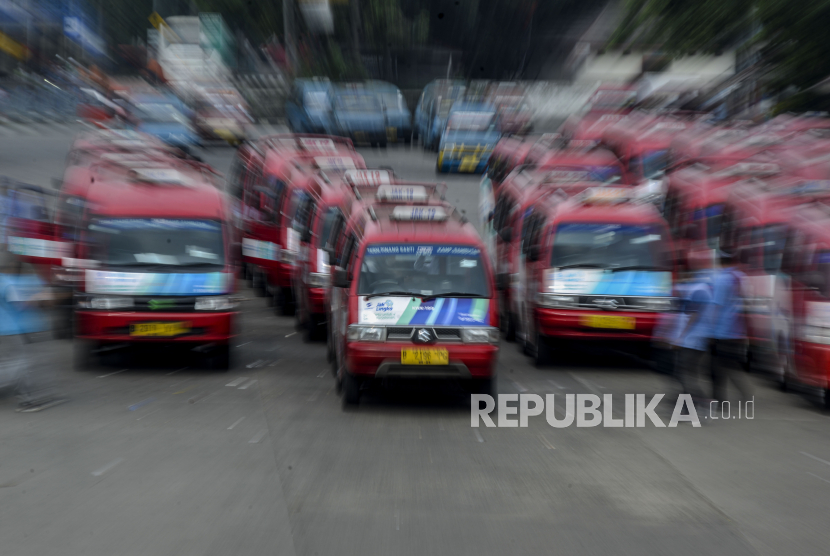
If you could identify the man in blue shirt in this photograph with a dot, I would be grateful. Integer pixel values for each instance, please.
(728, 330)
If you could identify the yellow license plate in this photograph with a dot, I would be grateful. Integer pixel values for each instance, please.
(392, 134)
(425, 356)
(609, 321)
(165, 329)
(468, 164)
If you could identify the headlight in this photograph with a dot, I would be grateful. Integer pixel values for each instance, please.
(318, 280)
(480, 335)
(216, 303)
(662, 304)
(110, 303)
(359, 333)
(557, 301)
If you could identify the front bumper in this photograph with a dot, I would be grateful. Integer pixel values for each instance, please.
(114, 326)
(317, 301)
(473, 163)
(383, 359)
(564, 323)
(812, 364)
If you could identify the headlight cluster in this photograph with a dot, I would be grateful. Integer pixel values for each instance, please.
(817, 334)
(318, 280)
(216, 303)
(480, 335)
(661, 304)
(556, 301)
(364, 333)
(106, 303)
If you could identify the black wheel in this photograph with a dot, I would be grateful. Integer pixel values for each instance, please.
(542, 352)
(85, 356)
(483, 386)
(510, 328)
(258, 282)
(383, 144)
(220, 359)
(65, 325)
(286, 302)
(351, 390)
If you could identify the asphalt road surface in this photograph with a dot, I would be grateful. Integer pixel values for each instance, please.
(154, 454)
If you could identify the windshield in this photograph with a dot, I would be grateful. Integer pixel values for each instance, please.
(604, 174)
(418, 269)
(471, 121)
(156, 241)
(317, 100)
(610, 246)
(160, 113)
(650, 164)
(393, 100)
(444, 107)
(713, 216)
(358, 103)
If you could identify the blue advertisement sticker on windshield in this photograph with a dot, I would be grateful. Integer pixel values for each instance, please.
(151, 283)
(156, 224)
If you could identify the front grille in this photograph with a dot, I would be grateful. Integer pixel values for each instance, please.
(164, 304)
(125, 331)
(406, 333)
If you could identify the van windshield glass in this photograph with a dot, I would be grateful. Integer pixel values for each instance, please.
(157, 241)
(471, 121)
(612, 246)
(423, 269)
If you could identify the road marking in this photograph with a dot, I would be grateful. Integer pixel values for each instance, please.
(419, 434)
(247, 385)
(180, 382)
(143, 416)
(259, 436)
(586, 384)
(313, 397)
(815, 458)
(429, 453)
(324, 373)
(274, 364)
(397, 520)
(245, 344)
(289, 335)
(183, 391)
(478, 435)
(107, 467)
(236, 423)
(546, 443)
(255, 364)
(140, 404)
(115, 373)
(238, 381)
(174, 372)
(817, 477)
(197, 398)
(557, 385)
(272, 349)
(519, 387)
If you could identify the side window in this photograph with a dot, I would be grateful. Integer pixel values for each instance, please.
(527, 224)
(302, 218)
(536, 232)
(348, 252)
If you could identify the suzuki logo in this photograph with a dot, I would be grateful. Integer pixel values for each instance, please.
(608, 303)
(158, 304)
(424, 336)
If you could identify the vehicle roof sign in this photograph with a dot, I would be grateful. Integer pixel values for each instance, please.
(318, 145)
(129, 143)
(605, 195)
(369, 177)
(419, 214)
(334, 163)
(124, 157)
(568, 176)
(159, 175)
(750, 169)
(403, 193)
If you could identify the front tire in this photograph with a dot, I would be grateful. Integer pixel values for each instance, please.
(351, 390)
(220, 359)
(542, 355)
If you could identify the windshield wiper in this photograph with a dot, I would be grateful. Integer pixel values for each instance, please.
(582, 265)
(639, 267)
(193, 265)
(395, 293)
(451, 294)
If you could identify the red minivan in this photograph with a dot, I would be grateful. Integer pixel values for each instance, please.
(413, 298)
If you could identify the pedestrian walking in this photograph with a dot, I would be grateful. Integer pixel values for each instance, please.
(728, 330)
(23, 333)
(692, 336)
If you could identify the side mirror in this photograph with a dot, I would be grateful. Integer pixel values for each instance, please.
(502, 281)
(506, 234)
(533, 253)
(340, 278)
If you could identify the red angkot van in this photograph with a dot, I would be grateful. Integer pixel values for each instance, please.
(269, 180)
(414, 298)
(156, 249)
(596, 267)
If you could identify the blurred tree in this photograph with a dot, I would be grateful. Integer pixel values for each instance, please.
(793, 34)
